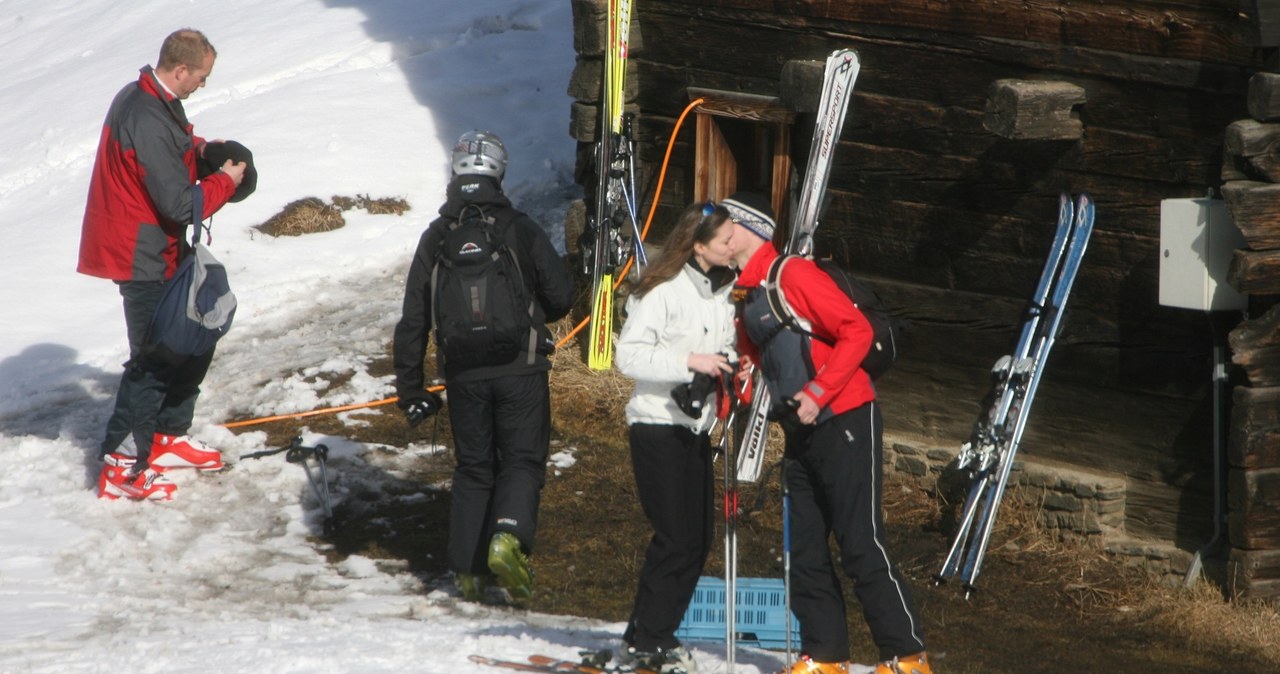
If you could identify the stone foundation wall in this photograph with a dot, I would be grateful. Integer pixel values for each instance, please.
(1071, 503)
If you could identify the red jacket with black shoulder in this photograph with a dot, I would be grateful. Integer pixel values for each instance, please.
(139, 201)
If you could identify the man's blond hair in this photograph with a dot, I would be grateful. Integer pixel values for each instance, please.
(184, 47)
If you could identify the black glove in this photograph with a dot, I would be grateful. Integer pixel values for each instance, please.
(418, 409)
(786, 414)
(691, 397)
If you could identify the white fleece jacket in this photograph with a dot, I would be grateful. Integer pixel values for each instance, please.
(681, 316)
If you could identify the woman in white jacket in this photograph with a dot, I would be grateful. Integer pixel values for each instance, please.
(680, 323)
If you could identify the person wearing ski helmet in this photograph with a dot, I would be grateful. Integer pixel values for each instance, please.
(479, 153)
(500, 413)
(833, 457)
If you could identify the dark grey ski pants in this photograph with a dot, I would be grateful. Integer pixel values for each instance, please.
(154, 396)
(501, 433)
(834, 474)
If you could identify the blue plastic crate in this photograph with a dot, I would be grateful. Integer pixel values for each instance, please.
(761, 613)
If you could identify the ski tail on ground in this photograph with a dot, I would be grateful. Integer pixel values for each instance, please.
(990, 453)
(609, 188)
(590, 662)
(516, 664)
(600, 356)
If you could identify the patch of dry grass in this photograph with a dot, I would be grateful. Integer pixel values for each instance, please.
(311, 214)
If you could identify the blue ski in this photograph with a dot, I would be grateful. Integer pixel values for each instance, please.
(991, 449)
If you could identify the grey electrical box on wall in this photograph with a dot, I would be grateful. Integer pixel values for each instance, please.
(1197, 241)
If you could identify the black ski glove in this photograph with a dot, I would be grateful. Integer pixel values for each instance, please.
(785, 414)
(418, 409)
(691, 397)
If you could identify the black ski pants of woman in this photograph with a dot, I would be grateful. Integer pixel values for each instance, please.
(673, 472)
(834, 476)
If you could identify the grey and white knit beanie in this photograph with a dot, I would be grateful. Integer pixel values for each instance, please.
(752, 210)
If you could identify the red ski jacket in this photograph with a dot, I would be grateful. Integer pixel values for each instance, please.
(840, 384)
(139, 202)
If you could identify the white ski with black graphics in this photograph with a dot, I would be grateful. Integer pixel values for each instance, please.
(990, 451)
(839, 77)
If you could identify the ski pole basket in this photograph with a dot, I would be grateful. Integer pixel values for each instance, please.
(299, 453)
(761, 613)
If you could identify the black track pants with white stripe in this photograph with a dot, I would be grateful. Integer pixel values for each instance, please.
(834, 474)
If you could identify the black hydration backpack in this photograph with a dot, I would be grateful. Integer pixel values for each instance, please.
(884, 341)
(481, 310)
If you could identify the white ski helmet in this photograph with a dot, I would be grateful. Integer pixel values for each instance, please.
(479, 153)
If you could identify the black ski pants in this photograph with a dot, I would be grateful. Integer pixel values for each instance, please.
(834, 475)
(673, 472)
(154, 395)
(501, 433)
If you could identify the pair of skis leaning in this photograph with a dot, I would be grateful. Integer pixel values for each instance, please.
(989, 454)
(603, 247)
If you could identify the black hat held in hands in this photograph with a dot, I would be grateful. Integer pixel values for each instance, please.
(217, 153)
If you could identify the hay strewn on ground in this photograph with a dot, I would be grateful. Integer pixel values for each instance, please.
(1045, 606)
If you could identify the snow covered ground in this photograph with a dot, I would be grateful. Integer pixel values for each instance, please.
(334, 97)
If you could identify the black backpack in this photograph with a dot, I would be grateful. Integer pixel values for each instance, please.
(885, 328)
(481, 310)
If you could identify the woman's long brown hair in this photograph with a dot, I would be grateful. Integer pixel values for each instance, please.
(697, 224)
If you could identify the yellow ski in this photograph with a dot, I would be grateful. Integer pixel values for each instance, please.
(611, 193)
(601, 344)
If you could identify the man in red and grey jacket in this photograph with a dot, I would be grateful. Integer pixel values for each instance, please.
(833, 457)
(134, 233)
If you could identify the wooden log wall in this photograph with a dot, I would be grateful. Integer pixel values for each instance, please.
(1252, 192)
(952, 220)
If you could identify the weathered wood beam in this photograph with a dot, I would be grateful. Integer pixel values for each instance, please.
(1034, 110)
(801, 84)
(1255, 428)
(1258, 144)
(1255, 272)
(1254, 575)
(586, 83)
(590, 30)
(740, 105)
(584, 119)
(1253, 501)
(1255, 209)
(1208, 30)
(1190, 112)
(1255, 346)
(1264, 96)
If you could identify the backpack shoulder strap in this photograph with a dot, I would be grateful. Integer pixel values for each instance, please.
(778, 304)
(774, 294)
(197, 213)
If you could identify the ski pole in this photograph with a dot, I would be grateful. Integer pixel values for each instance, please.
(727, 411)
(786, 556)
